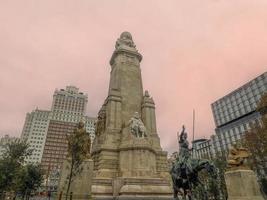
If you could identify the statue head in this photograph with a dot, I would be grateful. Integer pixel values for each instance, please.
(183, 133)
(146, 94)
(136, 115)
(126, 36)
(80, 124)
(125, 41)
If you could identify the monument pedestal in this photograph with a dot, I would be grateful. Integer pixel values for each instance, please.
(81, 185)
(242, 185)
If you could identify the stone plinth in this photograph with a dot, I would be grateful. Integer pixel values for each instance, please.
(137, 158)
(134, 198)
(242, 185)
(81, 185)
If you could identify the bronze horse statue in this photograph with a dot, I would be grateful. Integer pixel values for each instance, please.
(185, 177)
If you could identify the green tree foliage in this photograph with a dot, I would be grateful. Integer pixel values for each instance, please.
(10, 164)
(215, 187)
(78, 150)
(14, 176)
(218, 188)
(255, 140)
(30, 178)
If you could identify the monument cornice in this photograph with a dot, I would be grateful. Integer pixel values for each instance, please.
(114, 98)
(121, 50)
(148, 105)
(127, 148)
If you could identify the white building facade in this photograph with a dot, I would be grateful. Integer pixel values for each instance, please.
(202, 149)
(69, 106)
(34, 132)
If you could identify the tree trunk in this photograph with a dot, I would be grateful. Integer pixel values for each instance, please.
(70, 179)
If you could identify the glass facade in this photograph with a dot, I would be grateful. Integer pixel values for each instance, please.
(239, 102)
(234, 113)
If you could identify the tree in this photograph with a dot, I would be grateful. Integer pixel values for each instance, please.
(255, 140)
(14, 175)
(221, 164)
(11, 163)
(29, 180)
(79, 144)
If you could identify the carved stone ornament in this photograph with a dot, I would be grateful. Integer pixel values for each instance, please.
(125, 40)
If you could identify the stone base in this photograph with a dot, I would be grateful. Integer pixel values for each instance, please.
(145, 187)
(242, 185)
(81, 184)
(134, 198)
(129, 188)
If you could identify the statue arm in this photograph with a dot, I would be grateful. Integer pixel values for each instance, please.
(129, 122)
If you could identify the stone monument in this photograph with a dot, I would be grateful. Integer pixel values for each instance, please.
(241, 182)
(128, 159)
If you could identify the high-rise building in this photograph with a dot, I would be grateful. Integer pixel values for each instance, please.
(69, 104)
(68, 108)
(46, 130)
(234, 113)
(4, 141)
(34, 131)
(56, 146)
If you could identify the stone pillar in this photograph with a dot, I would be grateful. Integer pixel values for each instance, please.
(242, 185)
(126, 79)
(114, 120)
(149, 119)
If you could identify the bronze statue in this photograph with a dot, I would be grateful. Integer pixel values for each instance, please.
(184, 171)
(237, 158)
(184, 151)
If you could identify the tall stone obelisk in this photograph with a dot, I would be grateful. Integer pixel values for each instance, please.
(128, 159)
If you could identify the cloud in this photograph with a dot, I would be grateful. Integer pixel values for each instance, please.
(194, 53)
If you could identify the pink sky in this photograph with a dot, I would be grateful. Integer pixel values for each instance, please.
(194, 52)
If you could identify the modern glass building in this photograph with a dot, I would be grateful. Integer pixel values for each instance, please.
(234, 113)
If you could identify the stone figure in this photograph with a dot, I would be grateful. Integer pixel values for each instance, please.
(125, 40)
(100, 123)
(237, 158)
(83, 137)
(137, 127)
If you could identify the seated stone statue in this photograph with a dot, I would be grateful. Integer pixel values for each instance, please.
(237, 158)
(137, 127)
